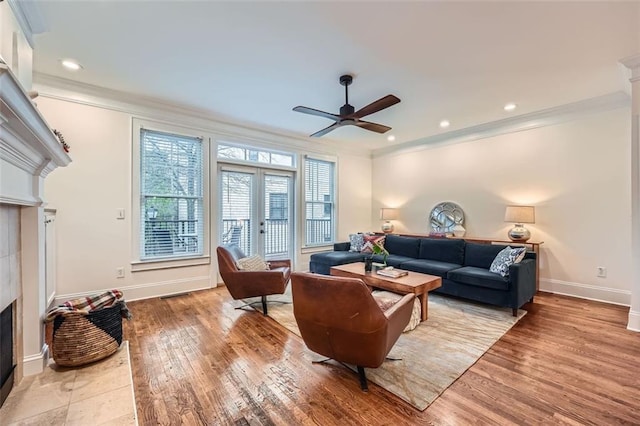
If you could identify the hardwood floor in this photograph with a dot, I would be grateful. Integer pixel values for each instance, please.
(198, 361)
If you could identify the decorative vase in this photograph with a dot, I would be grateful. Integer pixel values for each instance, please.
(459, 231)
(368, 264)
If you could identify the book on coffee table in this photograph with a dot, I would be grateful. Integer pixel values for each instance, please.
(392, 273)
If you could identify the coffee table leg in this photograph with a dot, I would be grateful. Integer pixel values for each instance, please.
(424, 305)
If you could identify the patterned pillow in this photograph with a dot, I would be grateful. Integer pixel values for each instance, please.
(505, 258)
(357, 241)
(370, 241)
(252, 263)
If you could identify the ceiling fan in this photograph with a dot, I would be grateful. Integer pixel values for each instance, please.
(348, 115)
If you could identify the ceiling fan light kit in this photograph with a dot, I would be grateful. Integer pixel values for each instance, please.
(348, 115)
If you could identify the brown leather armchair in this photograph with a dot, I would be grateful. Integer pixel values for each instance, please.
(339, 318)
(242, 284)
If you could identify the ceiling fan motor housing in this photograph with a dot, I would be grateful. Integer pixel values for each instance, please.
(347, 109)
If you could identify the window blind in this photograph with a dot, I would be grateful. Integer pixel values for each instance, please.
(319, 198)
(171, 195)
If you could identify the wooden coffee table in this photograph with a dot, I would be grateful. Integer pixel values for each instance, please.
(415, 282)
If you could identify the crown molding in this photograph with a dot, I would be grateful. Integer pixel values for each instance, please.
(158, 109)
(534, 120)
(30, 19)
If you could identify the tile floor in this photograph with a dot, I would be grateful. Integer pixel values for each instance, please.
(100, 393)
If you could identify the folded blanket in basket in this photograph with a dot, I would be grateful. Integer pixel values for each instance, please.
(92, 303)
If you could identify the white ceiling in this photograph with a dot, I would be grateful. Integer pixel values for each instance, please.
(252, 62)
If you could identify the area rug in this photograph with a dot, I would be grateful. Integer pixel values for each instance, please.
(434, 354)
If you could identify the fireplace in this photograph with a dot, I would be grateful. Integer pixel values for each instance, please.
(7, 359)
(30, 151)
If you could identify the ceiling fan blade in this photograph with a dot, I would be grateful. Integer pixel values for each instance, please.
(374, 127)
(326, 130)
(376, 106)
(317, 112)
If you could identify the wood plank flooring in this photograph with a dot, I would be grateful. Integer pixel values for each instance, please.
(197, 361)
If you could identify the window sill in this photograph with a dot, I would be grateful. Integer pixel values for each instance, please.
(316, 249)
(152, 265)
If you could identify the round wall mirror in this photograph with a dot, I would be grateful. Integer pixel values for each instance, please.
(444, 216)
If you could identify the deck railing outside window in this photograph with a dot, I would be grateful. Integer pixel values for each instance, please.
(276, 234)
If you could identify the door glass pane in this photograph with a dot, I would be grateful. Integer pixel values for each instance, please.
(236, 202)
(277, 213)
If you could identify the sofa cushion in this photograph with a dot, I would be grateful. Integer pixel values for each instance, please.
(443, 249)
(479, 277)
(402, 246)
(431, 267)
(481, 255)
(392, 259)
(336, 257)
(505, 258)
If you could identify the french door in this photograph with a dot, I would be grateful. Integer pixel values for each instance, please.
(256, 210)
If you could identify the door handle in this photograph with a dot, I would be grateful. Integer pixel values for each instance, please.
(262, 231)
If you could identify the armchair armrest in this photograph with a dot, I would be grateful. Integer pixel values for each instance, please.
(398, 317)
(281, 263)
(407, 299)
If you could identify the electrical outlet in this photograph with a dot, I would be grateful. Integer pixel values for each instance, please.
(120, 272)
(602, 272)
(120, 214)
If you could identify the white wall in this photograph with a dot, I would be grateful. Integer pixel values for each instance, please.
(14, 47)
(577, 174)
(92, 242)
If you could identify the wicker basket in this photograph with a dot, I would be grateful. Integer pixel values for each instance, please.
(75, 339)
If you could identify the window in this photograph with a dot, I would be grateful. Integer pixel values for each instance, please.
(171, 195)
(255, 155)
(319, 199)
(278, 209)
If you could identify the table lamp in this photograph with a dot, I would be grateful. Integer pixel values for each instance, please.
(387, 215)
(519, 215)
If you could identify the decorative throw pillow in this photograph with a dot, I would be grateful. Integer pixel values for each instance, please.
(252, 263)
(357, 241)
(370, 241)
(505, 258)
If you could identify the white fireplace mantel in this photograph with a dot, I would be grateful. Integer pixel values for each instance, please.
(29, 150)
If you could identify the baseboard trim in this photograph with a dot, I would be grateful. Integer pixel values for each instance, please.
(586, 291)
(634, 321)
(35, 364)
(151, 290)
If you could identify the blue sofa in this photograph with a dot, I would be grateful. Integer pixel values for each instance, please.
(463, 267)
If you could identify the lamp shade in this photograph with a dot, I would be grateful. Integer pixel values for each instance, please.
(520, 214)
(388, 214)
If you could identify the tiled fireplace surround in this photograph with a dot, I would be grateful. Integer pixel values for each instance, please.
(11, 284)
(29, 151)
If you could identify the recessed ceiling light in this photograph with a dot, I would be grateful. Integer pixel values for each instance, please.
(444, 123)
(71, 65)
(510, 106)
(391, 138)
